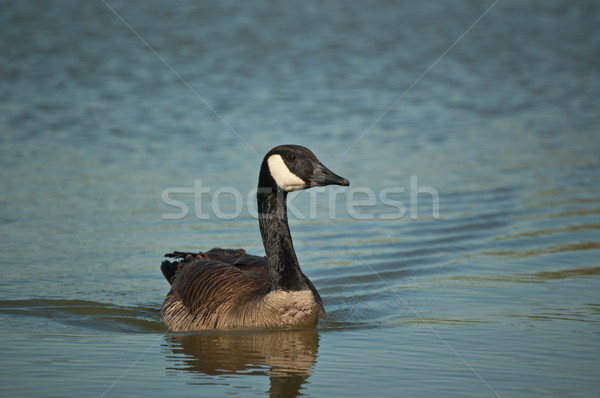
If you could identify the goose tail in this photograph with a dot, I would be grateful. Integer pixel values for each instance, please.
(169, 269)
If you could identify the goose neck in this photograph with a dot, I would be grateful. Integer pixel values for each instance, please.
(284, 269)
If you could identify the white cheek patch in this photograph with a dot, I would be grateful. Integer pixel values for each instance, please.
(283, 177)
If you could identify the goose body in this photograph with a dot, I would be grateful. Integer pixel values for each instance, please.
(230, 289)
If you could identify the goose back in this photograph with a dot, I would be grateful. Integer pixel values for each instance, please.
(227, 289)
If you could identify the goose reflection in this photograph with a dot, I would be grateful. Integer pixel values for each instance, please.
(286, 356)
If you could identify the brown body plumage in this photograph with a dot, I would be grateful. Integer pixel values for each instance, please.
(228, 289)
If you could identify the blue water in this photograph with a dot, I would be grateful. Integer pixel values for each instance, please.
(463, 260)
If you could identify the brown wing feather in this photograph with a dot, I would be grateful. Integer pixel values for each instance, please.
(221, 288)
(236, 257)
(209, 284)
(205, 285)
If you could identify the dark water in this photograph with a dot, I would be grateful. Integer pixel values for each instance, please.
(463, 260)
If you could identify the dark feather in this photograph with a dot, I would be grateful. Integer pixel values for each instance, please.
(234, 257)
(206, 283)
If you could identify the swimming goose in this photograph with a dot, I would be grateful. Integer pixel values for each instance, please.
(228, 288)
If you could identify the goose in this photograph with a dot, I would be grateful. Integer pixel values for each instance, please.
(231, 289)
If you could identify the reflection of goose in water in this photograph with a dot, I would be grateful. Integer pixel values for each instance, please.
(289, 354)
(227, 289)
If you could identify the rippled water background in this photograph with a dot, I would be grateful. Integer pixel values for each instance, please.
(495, 111)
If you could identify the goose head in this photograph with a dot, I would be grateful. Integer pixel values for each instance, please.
(294, 167)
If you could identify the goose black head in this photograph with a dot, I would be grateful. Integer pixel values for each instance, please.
(294, 167)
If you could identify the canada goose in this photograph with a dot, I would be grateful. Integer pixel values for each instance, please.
(227, 289)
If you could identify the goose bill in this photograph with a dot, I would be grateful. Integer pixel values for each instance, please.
(323, 176)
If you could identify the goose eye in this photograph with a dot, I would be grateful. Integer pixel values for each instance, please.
(292, 157)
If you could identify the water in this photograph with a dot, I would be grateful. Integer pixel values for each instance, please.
(498, 296)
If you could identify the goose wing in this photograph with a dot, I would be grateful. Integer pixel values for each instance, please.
(216, 285)
(233, 257)
(208, 281)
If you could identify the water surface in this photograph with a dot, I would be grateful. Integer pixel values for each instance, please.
(472, 270)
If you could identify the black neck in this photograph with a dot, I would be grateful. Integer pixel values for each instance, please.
(284, 270)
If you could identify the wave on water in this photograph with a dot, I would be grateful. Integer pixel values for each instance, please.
(87, 315)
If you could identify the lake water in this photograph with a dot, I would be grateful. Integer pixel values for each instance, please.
(463, 260)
